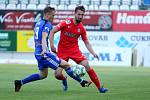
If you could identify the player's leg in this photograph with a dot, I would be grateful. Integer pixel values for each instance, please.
(34, 77)
(65, 57)
(38, 76)
(79, 58)
(43, 74)
(59, 75)
(92, 74)
(54, 62)
(65, 65)
(59, 72)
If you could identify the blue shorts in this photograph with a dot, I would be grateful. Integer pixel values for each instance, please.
(49, 60)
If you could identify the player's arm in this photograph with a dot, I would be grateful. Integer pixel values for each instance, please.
(53, 31)
(89, 47)
(44, 36)
(88, 44)
(51, 39)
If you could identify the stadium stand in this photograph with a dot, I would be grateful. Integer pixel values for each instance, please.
(54, 2)
(124, 7)
(85, 2)
(44, 2)
(62, 7)
(24, 1)
(70, 4)
(134, 7)
(2, 6)
(34, 1)
(64, 2)
(126, 2)
(93, 7)
(13, 1)
(11, 6)
(31, 7)
(115, 2)
(136, 2)
(71, 7)
(95, 2)
(74, 2)
(104, 7)
(41, 6)
(114, 7)
(105, 2)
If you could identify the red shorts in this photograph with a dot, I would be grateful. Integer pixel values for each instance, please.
(75, 55)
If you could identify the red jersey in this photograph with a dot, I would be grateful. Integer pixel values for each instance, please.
(70, 34)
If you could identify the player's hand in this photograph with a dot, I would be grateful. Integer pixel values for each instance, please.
(96, 56)
(53, 49)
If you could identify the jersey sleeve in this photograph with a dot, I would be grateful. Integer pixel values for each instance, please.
(47, 28)
(63, 24)
(84, 35)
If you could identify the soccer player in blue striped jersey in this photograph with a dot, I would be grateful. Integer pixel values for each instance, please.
(44, 57)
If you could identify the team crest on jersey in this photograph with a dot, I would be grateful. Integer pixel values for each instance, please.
(69, 26)
(46, 28)
(68, 21)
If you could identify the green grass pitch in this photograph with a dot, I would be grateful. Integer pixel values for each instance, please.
(124, 83)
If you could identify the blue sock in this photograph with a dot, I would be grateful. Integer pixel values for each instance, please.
(31, 78)
(69, 71)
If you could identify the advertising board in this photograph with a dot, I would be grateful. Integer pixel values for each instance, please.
(25, 41)
(136, 21)
(8, 40)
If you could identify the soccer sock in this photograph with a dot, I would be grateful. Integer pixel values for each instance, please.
(94, 78)
(69, 71)
(31, 78)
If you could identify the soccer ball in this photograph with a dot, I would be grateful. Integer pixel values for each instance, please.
(79, 70)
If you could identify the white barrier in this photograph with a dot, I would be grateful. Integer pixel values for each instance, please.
(146, 57)
(108, 57)
(17, 58)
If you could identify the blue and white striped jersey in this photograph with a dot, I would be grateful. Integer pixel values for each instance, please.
(40, 27)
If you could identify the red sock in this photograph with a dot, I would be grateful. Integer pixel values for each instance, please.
(94, 78)
(61, 77)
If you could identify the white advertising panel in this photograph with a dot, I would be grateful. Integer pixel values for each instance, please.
(146, 57)
(119, 39)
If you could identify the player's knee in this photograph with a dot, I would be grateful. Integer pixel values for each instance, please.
(58, 76)
(44, 76)
(64, 64)
(67, 65)
(87, 67)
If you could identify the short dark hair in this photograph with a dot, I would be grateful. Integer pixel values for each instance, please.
(80, 8)
(48, 9)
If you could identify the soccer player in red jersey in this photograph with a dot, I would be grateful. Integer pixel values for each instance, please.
(71, 29)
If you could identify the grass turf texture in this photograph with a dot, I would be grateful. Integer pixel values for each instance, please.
(124, 83)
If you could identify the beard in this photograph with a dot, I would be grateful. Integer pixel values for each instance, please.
(78, 21)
